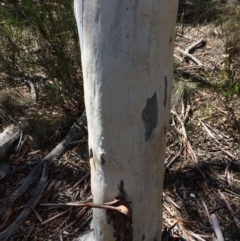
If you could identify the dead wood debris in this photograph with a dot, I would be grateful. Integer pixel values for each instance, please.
(118, 212)
(7, 138)
(173, 203)
(183, 196)
(182, 131)
(187, 51)
(35, 198)
(76, 131)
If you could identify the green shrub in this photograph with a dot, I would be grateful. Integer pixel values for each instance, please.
(38, 36)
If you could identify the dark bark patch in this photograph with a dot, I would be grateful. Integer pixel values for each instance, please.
(90, 153)
(150, 116)
(97, 17)
(102, 159)
(165, 91)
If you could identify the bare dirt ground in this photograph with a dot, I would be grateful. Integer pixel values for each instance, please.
(202, 165)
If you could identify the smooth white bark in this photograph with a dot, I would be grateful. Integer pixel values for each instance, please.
(127, 60)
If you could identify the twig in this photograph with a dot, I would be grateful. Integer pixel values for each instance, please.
(218, 133)
(80, 214)
(20, 146)
(228, 174)
(206, 209)
(230, 209)
(216, 227)
(187, 111)
(229, 192)
(175, 157)
(82, 204)
(190, 66)
(60, 236)
(187, 144)
(82, 179)
(184, 231)
(169, 199)
(77, 142)
(214, 222)
(119, 205)
(214, 138)
(168, 209)
(184, 36)
(19, 142)
(36, 213)
(56, 216)
(85, 223)
(197, 236)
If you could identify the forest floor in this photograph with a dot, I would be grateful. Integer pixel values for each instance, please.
(202, 166)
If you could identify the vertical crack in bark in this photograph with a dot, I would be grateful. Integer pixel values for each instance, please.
(150, 116)
(90, 153)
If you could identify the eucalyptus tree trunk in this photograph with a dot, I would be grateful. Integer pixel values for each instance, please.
(127, 62)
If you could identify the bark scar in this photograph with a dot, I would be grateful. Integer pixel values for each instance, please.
(122, 224)
(150, 116)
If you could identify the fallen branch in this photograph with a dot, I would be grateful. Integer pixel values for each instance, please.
(77, 131)
(187, 51)
(195, 45)
(56, 216)
(186, 54)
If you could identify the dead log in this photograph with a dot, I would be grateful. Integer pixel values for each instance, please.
(5, 169)
(7, 138)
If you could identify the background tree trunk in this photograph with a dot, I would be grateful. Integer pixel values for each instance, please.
(127, 61)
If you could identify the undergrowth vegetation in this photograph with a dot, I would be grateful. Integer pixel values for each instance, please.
(40, 38)
(230, 33)
(39, 42)
(225, 21)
